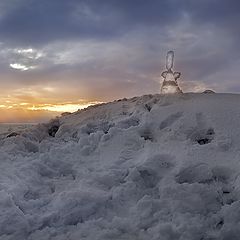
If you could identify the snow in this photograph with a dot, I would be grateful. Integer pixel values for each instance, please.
(6, 128)
(152, 167)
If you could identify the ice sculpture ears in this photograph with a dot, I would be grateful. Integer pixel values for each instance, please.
(169, 60)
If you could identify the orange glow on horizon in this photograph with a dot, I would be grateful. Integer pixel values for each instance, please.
(39, 104)
(37, 112)
(65, 107)
(25, 112)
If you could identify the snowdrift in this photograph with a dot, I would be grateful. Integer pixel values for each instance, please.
(150, 167)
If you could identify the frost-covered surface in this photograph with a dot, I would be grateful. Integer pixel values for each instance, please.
(6, 128)
(153, 167)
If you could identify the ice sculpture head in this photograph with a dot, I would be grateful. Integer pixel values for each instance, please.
(170, 84)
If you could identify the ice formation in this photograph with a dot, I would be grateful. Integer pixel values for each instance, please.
(152, 167)
(170, 84)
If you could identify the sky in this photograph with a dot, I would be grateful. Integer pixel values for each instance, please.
(61, 55)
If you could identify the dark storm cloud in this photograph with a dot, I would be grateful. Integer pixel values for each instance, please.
(123, 42)
(37, 22)
(33, 21)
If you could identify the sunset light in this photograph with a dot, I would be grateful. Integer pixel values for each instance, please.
(32, 112)
(67, 107)
(34, 104)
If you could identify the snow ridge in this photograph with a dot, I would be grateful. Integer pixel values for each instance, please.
(152, 167)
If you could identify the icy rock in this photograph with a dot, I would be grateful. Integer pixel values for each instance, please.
(53, 127)
(13, 134)
(208, 91)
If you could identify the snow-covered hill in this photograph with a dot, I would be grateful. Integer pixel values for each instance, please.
(147, 168)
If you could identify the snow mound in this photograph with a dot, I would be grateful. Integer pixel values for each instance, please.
(151, 167)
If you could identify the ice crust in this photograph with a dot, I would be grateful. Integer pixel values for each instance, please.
(152, 167)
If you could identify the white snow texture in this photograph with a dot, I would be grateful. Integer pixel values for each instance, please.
(156, 167)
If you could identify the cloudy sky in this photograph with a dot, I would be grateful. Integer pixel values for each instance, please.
(60, 55)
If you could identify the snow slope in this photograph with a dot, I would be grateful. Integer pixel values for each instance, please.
(6, 128)
(151, 167)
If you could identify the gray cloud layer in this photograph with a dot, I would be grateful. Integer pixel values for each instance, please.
(108, 49)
